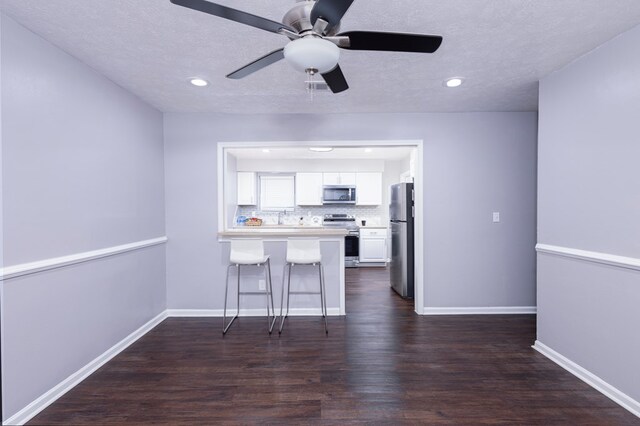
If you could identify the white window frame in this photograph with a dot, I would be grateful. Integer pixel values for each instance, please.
(276, 176)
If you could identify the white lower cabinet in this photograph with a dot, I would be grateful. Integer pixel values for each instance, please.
(373, 245)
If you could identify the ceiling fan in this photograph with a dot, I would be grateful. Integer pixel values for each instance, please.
(312, 26)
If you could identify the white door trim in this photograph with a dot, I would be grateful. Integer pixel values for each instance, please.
(418, 185)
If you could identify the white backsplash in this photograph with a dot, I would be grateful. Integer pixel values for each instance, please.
(374, 215)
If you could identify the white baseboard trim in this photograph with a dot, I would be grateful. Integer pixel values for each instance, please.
(297, 312)
(480, 310)
(591, 256)
(589, 378)
(49, 397)
(58, 262)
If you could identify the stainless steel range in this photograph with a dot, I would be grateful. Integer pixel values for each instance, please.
(351, 241)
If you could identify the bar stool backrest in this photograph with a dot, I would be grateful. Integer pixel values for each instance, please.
(303, 251)
(247, 252)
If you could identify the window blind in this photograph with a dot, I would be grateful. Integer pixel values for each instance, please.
(277, 192)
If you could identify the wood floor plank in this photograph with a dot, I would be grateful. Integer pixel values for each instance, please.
(382, 364)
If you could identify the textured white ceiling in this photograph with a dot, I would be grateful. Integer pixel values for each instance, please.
(501, 47)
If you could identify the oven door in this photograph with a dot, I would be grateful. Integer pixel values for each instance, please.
(351, 250)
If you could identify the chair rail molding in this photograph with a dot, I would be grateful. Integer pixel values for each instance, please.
(591, 256)
(19, 270)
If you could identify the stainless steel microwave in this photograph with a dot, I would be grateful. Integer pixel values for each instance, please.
(339, 194)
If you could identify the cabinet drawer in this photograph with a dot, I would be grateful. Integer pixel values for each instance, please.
(364, 233)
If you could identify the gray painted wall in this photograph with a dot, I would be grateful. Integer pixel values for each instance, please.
(82, 166)
(475, 164)
(588, 199)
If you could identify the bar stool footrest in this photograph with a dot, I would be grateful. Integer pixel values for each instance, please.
(304, 292)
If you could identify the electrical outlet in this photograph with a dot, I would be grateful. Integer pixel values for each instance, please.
(262, 285)
(496, 217)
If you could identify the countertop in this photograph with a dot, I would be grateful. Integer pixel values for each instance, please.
(283, 231)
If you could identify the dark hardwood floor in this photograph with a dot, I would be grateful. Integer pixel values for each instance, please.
(381, 364)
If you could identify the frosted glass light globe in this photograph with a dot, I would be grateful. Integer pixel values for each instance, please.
(311, 52)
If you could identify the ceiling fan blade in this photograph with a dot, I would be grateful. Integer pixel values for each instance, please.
(331, 11)
(258, 64)
(233, 15)
(392, 42)
(335, 80)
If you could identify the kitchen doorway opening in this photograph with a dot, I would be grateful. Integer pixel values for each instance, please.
(254, 179)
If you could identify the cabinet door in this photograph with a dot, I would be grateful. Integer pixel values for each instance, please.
(339, 178)
(369, 189)
(373, 249)
(247, 189)
(309, 189)
(347, 179)
(331, 178)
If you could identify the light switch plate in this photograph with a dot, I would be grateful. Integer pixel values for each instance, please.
(496, 217)
(262, 285)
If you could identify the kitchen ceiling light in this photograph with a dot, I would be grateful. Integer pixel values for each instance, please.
(368, 150)
(454, 82)
(199, 82)
(312, 53)
(321, 149)
(266, 150)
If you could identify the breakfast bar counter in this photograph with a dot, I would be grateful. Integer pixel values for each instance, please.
(282, 231)
(305, 278)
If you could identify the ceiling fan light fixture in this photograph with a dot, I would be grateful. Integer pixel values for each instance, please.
(321, 149)
(312, 53)
(454, 82)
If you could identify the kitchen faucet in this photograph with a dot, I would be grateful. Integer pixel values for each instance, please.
(280, 217)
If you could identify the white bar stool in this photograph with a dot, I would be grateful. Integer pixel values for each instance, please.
(249, 252)
(303, 251)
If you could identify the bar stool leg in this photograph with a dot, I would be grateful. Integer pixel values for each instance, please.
(284, 275)
(270, 296)
(266, 292)
(226, 326)
(323, 297)
(283, 317)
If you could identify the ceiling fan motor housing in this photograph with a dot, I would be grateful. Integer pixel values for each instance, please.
(299, 18)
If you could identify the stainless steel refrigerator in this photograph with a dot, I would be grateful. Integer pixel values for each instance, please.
(401, 214)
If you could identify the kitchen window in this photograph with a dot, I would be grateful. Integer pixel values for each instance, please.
(277, 192)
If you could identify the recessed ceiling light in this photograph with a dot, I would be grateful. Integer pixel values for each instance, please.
(454, 82)
(266, 150)
(200, 82)
(321, 149)
(368, 150)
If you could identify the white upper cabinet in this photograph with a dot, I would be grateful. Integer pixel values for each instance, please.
(309, 189)
(339, 178)
(247, 189)
(369, 189)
